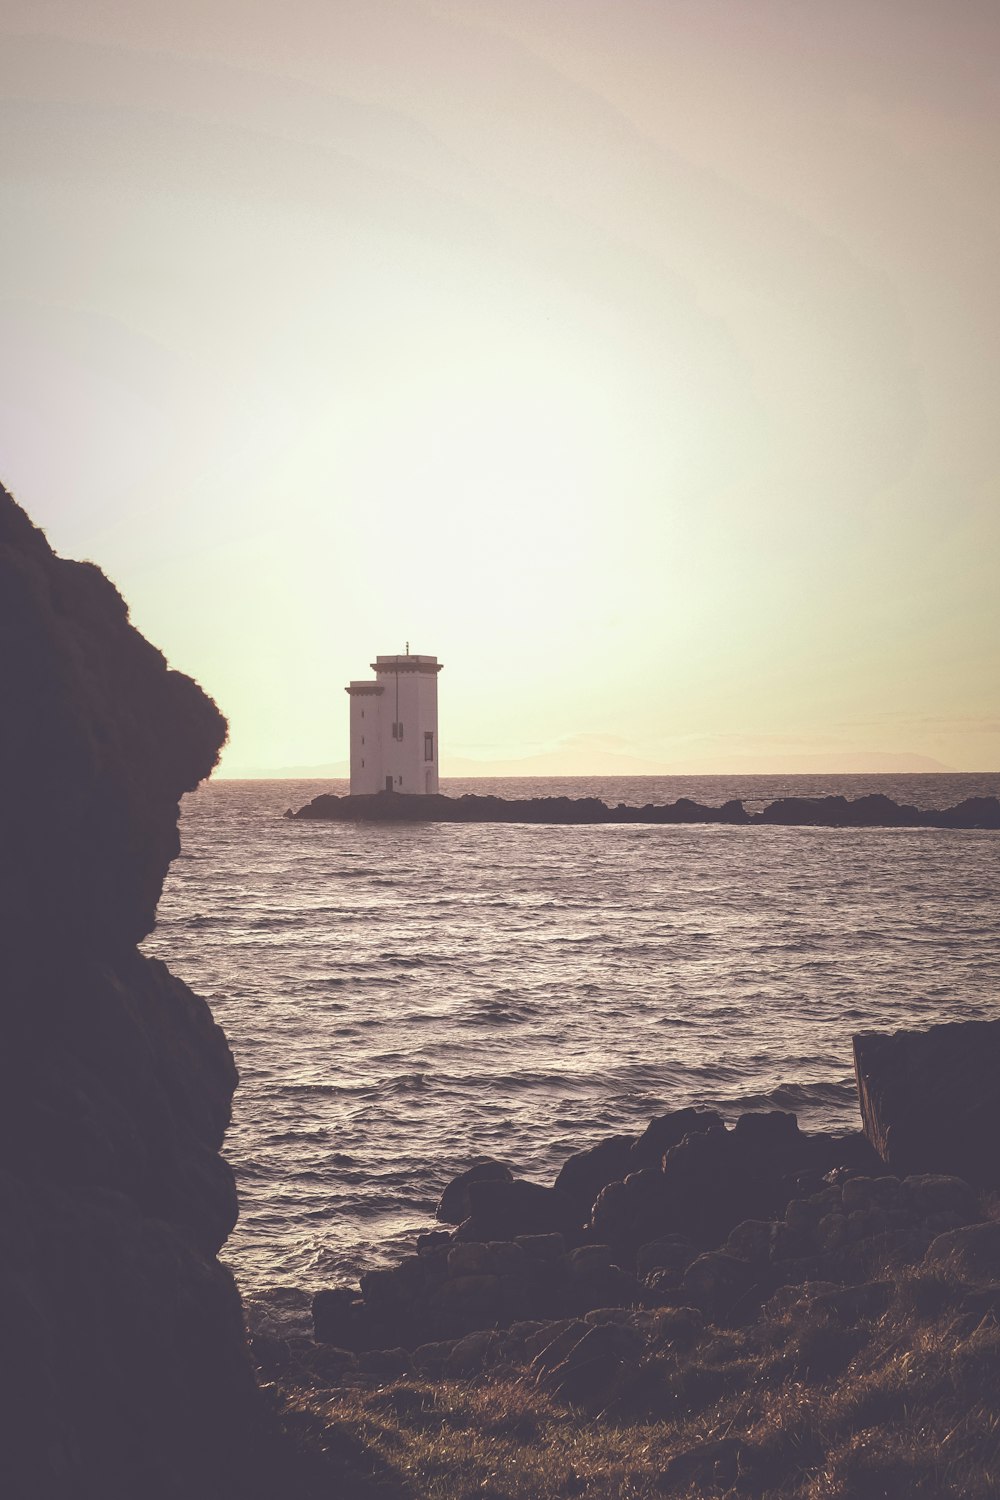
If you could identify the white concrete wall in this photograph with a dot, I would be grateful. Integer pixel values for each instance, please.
(366, 741)
(408, 701)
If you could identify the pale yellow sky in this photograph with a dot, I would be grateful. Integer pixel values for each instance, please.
(638, 359)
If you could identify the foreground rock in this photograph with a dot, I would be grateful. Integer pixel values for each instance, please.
(930, 1100)
(693, 1213)
(591, 1332)
(803, 1318)
(124, 1365)
(842, 1333)
(817, 812)
(871, 1377)
(624, 1224)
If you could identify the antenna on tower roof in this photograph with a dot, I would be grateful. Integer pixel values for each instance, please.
(407, 648)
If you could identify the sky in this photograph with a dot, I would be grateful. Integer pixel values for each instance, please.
(638, 358)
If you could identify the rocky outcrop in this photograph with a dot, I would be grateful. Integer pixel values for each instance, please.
(451, 1289)
(930, 1100)
(124, 1367)
(813, 812)
(584, 1175)
(850, 1339)
(454, 1205)
(714, 1177)
(624, 1223)
(835, 1282)
(455, 1309)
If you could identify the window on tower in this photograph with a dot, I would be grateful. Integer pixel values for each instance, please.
(429, 745)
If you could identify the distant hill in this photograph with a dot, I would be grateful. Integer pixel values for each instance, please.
(841, 763)
(566, 762)
(593, 762)
(329, 771)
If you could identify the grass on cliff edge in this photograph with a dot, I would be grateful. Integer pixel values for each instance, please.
(800, 1404)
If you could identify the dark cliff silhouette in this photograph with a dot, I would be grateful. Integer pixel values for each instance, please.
(874, 811)
(124, 1368)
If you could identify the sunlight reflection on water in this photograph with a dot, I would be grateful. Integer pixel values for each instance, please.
(403, 998)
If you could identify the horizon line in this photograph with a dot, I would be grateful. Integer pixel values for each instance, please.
(279, 775)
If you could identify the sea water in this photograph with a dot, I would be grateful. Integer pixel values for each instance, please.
(403, 998)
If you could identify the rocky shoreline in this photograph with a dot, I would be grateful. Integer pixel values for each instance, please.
(874, 811)
(662, 1273)
(692, 1213)
(461, 1305)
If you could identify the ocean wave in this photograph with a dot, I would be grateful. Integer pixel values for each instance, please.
(526, 993)
(791, 1097)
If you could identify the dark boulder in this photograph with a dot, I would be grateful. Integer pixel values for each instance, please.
(434, 1239)
(598, 1369)
(336, 1317)
(503, 1210)
(454, 1205)
(634, 1212)
(714, 1178)
(584, 1175)
(772, 1133)
(448, 1292)
(716, 1282)
(972, 1252)
(666, 1131)
(593, 1280)
(671, 1254)
(930, 1100)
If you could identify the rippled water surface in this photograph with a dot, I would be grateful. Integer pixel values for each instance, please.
(403, 998)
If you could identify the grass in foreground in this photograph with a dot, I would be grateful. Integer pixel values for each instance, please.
(805, 1403)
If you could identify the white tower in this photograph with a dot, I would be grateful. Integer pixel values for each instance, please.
(394, 726)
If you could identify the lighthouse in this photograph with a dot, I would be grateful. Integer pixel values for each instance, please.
(394, 726)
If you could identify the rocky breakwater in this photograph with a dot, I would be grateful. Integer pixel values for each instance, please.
(873, 811)
(124, 1368)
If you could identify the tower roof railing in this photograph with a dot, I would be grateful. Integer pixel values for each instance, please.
(406, 664)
